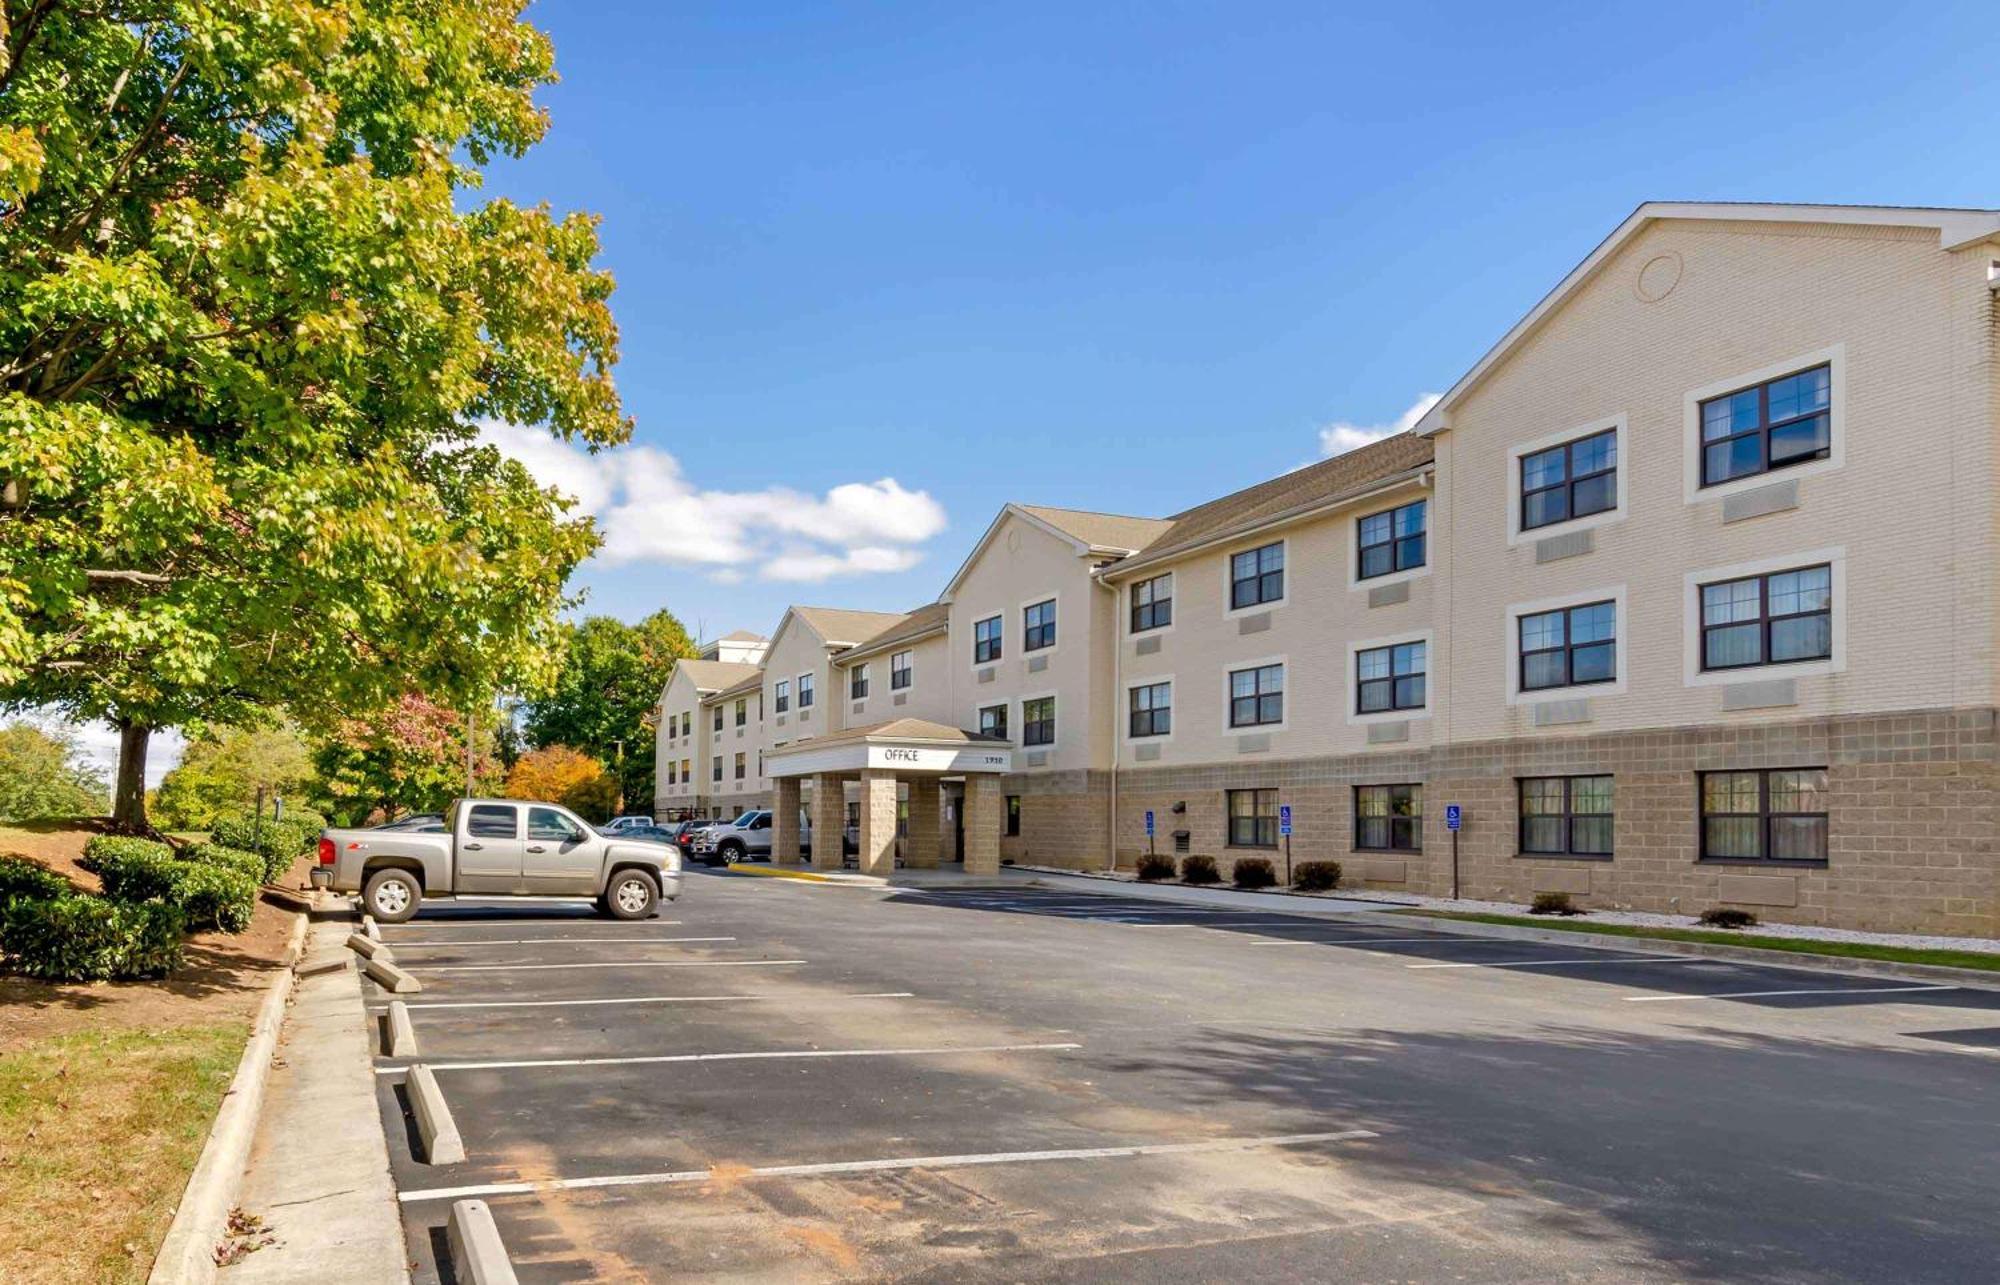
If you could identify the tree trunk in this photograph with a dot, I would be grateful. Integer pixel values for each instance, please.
(128, 802)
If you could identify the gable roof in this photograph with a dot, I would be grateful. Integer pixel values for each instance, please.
(741, 635)
(1295, 494)
(1955, 228)
(925, 620)
(1106, 532)
(842, 628)
(714, 675)
(752, 682)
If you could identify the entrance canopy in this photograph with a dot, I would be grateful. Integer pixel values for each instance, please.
(905, 746)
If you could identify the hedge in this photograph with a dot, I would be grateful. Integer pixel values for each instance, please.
(277, 842)
(1252, 872)
(307, 820)
(85, 939)
(210, 896)
(1316, 876)
(215, 854)
(22, 879)
(1153, 866)
(1199, 870)
(110, 849)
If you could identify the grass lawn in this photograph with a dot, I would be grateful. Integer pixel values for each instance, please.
(1796, 945)
(98, 1134)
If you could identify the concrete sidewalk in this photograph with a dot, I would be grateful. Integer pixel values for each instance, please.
(319, 1171)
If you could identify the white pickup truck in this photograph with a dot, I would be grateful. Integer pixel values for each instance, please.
(498, 847)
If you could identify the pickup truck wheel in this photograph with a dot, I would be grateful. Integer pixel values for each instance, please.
(731, 852)
(392, 896)
(631, 895)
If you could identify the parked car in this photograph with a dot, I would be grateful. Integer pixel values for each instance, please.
(687, 833)
(747, 838)
(649, 833)
(618, 825)
(498, 847)
(418, 823)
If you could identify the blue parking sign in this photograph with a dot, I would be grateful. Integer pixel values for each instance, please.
(1285, 819)
(1149, 823)
(1452, 816)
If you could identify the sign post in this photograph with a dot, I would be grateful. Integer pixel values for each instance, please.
(1285, 828)
(1454, 817)
(1149, 832)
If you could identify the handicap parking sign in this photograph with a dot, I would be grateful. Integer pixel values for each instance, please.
(1285, 819)
(1149, 823)
(1452, 816)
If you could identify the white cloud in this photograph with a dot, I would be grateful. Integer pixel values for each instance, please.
(1342, 437)
(649, 511)
(98, 743)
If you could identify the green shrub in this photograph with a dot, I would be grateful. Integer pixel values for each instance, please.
(1727, 917)
(1252, 872)
(1199, 870)
(278, 842)
(109, 849)
(215, 854)
(1152, 866)
(84, 939)
(307, 820)
(1553, 903)
(209, 896)
(1316, 876)
(21, 879)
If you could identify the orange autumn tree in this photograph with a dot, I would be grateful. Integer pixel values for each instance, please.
(559, 774)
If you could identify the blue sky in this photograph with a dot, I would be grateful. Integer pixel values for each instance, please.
(1130, 257)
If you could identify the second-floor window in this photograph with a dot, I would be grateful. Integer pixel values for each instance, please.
(1390, 678)
(1038, 721)
(1152, 709)
(673, 777)
(1257, 696)
(739, 766)
(993, 721)
(1391, 541)
(1775, 619)
(900, 671)
(1569, 647)
(742, 712)
(1771, 426)
(857, 683)
(805, 691)
(1038, 626)
(718, 718)
(716, 772)
(781, 695)
(1257, 576)
(1570, 481)
(986, 640)
(1153, 603)
(687, 771)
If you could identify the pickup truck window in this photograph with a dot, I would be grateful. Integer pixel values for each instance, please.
(493, 821)
(551, 825)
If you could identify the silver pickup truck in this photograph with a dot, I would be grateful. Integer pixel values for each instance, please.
(498, 847)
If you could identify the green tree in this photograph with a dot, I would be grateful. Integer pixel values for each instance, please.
(224, 769)
(606, 694)
(42, 775)
(251, 311)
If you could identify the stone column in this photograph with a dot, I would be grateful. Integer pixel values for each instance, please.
(926, 822)
(878, 823)
(982, 825)
(785, 821)
(829, 818)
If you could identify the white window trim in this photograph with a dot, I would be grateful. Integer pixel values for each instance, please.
(1125, 736)
(910, 686)
(1834, 357)
(1512, 648)
(1235, 666)
(1017, 722)
(1229, 582)
(799, 690)
(1516, 534)
(1013, 724)
(1352, 682)
(971, 651)
(864, 672)
(1692, 674)
(1022, 637)
(1157, 631)
(1353, 545)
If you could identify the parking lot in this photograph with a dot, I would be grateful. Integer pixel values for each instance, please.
(785, 1080)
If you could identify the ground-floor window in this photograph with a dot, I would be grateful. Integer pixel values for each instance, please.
(1013, 814)
(1253, 818)
(1566, 816)
(1389, 818)
(1776, 815)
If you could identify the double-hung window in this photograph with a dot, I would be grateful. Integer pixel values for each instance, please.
(742, 712)
(1153, 603)
(718, 718)
(986, 640)
(1390, 678)
(1764, 816)
(1038, 721)
(1569, 647)
(1152, 712)
(781, 692)
(716, 772)
(1566, 816)
(1038, 626)
(1257, 576)
(1775, 619)
(899, 671)
(1253, 818)
(1389, 818)
(1770, 426)
(805, 691)
(739, 764)
(1392, 541)
(1574, 480)
(1257, 696)
(673, 777)
(857, 683)
(993, 721)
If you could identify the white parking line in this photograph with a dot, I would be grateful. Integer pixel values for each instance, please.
(407, 943)
(886, 1166)
(635, 963)
(779, 1055)
(1832, 990)
(1354, 941)
(1539, 963)
(652, 999)
(430, 924)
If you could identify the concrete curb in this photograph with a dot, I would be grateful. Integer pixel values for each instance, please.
(477, 1254)
(402, 1036)
(327, 961)
(369, 948)
(391, 978)
(442, 1145)
(369, 926)
(808, 875)
(1179, 894)
(201, 1219)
